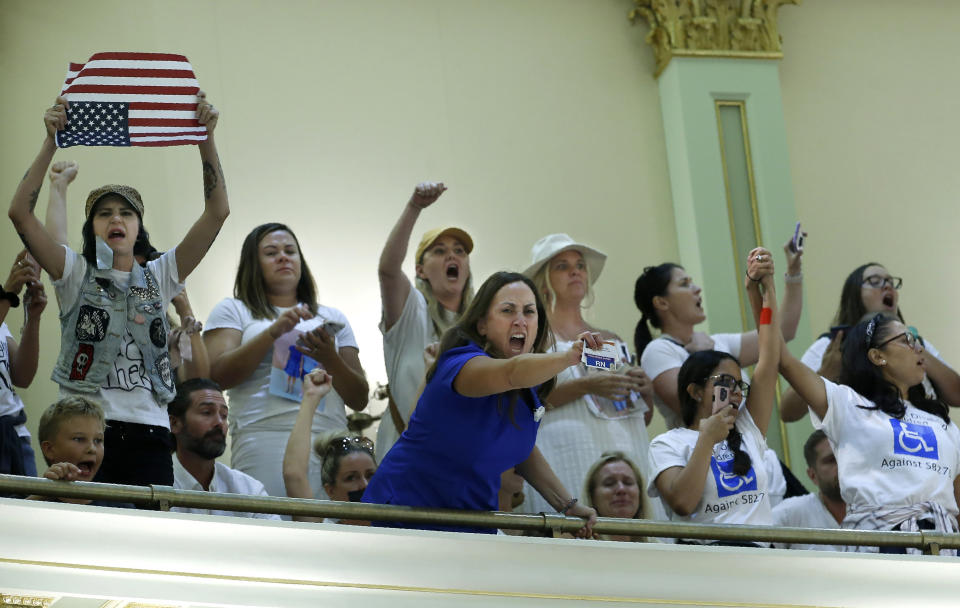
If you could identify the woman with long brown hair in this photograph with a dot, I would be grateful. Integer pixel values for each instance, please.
(274, 295)
(480, 410)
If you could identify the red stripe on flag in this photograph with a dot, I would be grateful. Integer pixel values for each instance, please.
(138, 57)
(164, 122)
(76, 67)
(135, 90)
(136, 136)
(137, 73)
(151, 105)
(175, 142)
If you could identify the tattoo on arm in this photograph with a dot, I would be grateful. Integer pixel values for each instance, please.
(24, 178)
(209, 179)
(33, 199)
(23, 239)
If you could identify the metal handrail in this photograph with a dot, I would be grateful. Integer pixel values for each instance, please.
(164, 497)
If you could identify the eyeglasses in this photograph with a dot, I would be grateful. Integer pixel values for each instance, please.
(350, 443)
(911, 340)
(728, 381)
(879, 282)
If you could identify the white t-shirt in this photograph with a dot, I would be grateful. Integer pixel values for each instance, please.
(10, 402)
(403, 346)
(727, 498)
(813, 358)
(776, 482)
(662, 355)
(127, 393)
(806, 511)
(225, 481)
(252, 406)
(885, 462)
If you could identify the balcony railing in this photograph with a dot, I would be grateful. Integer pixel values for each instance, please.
(164, 497)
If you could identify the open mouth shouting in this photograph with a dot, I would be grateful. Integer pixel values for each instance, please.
(452, 271)
(888, 300)
(116, 234)
(517, 342)
(86, 468)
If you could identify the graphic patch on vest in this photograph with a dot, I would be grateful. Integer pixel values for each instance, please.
(157, 334)
(92, 324)
(162, 367)
(914, 439)
(81, 362)
(729, 482)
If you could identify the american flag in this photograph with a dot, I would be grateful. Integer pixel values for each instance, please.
(131, 99)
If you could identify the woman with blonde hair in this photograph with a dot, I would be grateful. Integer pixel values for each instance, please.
(416, 315)
(348, 459)
(615, 487)
(589, 411)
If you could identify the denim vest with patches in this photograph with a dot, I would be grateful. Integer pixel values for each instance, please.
(92, 332)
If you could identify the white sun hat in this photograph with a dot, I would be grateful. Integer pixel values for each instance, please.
(551, 245)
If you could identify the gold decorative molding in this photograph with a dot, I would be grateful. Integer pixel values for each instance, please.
(711, 28)
(8, 600)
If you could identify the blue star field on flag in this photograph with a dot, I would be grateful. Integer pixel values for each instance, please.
(95, 124)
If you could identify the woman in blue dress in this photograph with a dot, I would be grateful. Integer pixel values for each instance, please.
(480, 410)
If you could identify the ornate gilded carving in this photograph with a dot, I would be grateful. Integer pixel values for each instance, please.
(741, 28)
(8, 600)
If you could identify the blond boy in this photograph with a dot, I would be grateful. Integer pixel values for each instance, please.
(71, 439)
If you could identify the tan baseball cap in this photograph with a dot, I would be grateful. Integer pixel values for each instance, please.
(125, 192)
(432, 235)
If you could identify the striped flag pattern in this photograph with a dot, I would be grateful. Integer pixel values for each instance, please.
(131, 99)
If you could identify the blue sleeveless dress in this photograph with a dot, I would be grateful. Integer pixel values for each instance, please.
(453, 451)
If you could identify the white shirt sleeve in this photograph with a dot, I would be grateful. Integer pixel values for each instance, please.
(227, 314)
(67, 287)
(840, 401)
(660, 356)
(665, 452)
(165, 270)
(813, 358)
(345, 336)
(727, 343)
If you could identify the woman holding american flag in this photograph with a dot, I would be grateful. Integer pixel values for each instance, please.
(113, 321)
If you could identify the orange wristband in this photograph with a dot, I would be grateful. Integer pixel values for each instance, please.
(766, 316)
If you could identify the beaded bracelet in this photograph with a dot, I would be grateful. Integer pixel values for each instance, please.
(568, 506)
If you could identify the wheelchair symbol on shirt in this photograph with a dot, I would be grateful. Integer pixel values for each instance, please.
(728, 482)
(725, 480)
(914, 439)
(911, 441)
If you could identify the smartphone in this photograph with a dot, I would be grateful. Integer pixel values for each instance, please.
(796, 244)
(332, 327)
(721, 398)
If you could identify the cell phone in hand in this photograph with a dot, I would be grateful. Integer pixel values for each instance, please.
(721, 398)
(796, 243)
(332, 327)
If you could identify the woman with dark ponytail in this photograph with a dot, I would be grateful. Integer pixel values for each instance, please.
(711, 469)
(670, 301)
(897, 450)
